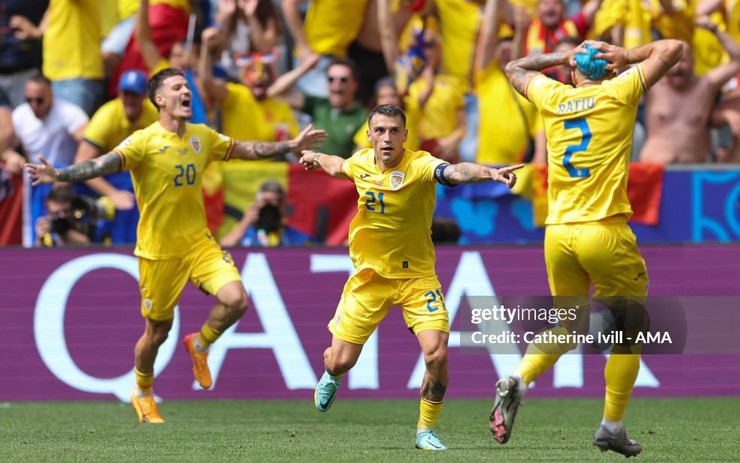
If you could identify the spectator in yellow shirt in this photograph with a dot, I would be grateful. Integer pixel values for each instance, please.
(109, 126)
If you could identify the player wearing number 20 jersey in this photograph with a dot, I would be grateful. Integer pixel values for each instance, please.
(167, 173)
(589, 138)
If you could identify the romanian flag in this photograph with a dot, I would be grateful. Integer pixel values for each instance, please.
(318, 205)
(644, 189)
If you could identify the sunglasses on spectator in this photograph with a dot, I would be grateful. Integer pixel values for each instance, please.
(342, 79)
(37, 100)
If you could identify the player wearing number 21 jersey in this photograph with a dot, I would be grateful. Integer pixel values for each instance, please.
(391, 249)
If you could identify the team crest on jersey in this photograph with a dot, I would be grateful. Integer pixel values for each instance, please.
(397, 179)
(195, 143)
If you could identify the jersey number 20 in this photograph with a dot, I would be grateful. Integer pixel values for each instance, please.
(185, 172)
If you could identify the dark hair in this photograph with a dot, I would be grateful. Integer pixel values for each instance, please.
(61, 195)
(387, 110)
(157, 79)
(272, 186)
(383, 82)
(39, 78)
(342, 61)
(265, 11)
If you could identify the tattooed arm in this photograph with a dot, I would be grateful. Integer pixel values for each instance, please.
(251, 150)
(521, 71)
(46, 173)
(307, 139)
(470, 172)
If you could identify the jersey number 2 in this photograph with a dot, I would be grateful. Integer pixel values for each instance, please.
(570, 150)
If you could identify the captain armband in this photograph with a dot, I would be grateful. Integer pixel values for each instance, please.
(439, 175)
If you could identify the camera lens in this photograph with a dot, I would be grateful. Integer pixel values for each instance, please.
(59, 225)
(270, 219)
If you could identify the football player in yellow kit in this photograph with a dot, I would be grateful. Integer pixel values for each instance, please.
(587, 240)
(391, 249)
(174, 246)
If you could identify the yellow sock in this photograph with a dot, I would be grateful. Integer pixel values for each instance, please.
(207, 336)
(541, 356)
(620, 375)
(533, 365)
(428, 413)
(144, 381)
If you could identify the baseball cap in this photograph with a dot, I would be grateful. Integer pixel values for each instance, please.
(133, 81)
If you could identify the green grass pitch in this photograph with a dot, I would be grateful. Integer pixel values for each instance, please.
(358, 431)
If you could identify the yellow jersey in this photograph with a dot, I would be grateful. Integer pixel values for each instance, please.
(589, 138)
(242, 116)
(504, 132)
(74, 27)
(439, 118)
(331, 25)
(460, 21)
(109, 125)
(391, 232)
(167, 173)
(279, 117)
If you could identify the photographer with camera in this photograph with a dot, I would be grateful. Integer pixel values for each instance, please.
(263, 225)
(60, 227)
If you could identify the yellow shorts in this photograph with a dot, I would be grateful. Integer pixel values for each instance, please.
(367, 297)
(604, 253)
(161, 283)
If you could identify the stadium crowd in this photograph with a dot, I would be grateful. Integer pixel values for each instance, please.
(73, 79)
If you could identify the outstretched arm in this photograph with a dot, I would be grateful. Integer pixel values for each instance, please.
(122, 199)
(46, 173)
(470, 172)
(251, 150)
(331, 164)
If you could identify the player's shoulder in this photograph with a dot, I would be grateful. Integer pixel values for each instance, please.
(110, 107)
(540, 87)
(107, 113)
(420, 158)
(198, 129)
(363, 156)
(240, 92)
(143, 135)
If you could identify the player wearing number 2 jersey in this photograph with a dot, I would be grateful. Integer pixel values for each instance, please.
(174, 246)
(391, 249)
(587, 240)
